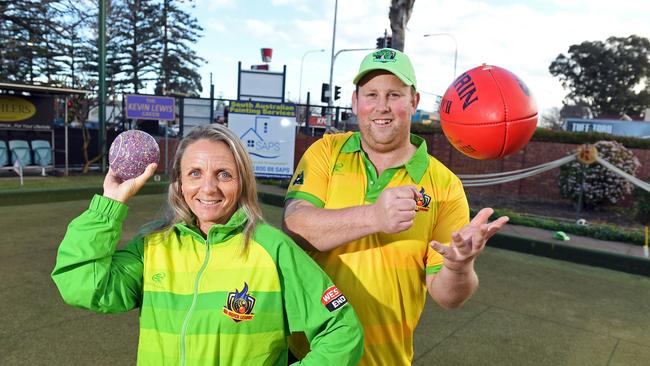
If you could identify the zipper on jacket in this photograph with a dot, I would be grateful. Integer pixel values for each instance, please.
(188, 316)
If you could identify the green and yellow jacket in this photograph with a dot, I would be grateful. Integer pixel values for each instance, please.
(203, 302)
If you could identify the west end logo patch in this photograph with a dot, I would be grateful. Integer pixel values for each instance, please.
(422, 204)
(333, 299)
(300, 179)
(240, 305)
(384, 56)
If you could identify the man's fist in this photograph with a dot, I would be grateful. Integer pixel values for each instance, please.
(395, 208)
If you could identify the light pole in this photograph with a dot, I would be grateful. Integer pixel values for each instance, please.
(330, 99)
(301, 63)
(328, 120)
(329, 102)
(455, 47)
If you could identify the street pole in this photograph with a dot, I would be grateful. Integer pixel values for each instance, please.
(301, 64)
(101, 128)
(329, 100)
(65, 129)
(328, 120)
(211, 100)
(455, 47)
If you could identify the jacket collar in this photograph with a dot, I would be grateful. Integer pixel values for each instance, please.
(219, 232)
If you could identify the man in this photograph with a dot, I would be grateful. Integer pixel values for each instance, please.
(384, 219)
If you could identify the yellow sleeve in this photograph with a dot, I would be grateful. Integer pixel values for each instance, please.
(453, 214)
(311, 177)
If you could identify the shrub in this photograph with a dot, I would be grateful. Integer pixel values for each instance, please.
(600, 184)
(596, 231)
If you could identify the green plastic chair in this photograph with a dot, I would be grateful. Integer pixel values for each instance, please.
(20, 151)
(4, 154)
(42, 152)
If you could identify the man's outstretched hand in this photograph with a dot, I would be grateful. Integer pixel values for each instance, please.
(468, 242)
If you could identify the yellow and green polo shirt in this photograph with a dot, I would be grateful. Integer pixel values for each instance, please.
(201, 301)
(383, 275)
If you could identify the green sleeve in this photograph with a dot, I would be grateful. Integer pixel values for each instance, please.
(335, 335)
(89, 272)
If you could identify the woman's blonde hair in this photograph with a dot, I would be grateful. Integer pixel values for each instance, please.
(179, 211)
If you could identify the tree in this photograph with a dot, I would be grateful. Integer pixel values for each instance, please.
(137, 37)
(610, 77)
(89, 49)
(178, 70)
(27, 51)
(399, 15)
(551, 119)
(71, 39)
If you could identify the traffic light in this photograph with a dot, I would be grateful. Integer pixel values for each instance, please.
(383, 42)
(337, 92)
(325, 93)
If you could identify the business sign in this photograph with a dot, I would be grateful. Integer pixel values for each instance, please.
(261, 85)
(638, 129)
(317, 121)
(268, 131)
(26, 113)
(196, 112)
(150, 107)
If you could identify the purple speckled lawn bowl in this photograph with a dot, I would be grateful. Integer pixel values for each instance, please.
(131, 153)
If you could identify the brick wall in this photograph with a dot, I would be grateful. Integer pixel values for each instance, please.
(542, 187)
(171, 144)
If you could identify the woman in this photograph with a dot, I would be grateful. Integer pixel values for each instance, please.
(215, 284)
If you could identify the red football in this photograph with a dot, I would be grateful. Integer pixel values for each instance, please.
(488, 113)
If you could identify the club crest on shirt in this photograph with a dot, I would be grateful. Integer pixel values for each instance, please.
(422, 204)
(333, 299)
(240, 305)
(300, 179)
(338, 168)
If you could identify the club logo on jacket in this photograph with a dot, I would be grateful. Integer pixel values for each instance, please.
(333, 299)
(240, 305)
(300, 179)
(422, 204)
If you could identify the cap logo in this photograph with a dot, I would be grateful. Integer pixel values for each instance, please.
(384, 56)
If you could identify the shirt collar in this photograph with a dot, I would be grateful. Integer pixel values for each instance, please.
(415, 166)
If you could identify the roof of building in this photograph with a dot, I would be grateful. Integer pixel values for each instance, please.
(42, 89)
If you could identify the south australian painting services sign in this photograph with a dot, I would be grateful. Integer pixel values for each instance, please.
(268, 131)
(26, 113)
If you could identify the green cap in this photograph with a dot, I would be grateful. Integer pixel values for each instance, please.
(390, 60)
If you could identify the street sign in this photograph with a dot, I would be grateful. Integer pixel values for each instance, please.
(149, 107)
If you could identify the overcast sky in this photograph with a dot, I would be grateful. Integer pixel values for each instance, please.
(521, 36)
